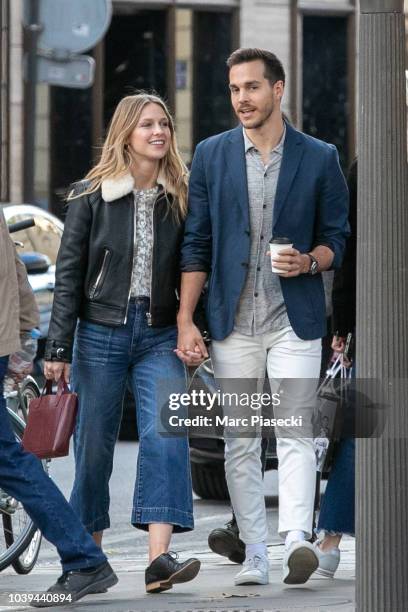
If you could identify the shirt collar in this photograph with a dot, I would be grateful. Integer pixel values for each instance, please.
(278, 149)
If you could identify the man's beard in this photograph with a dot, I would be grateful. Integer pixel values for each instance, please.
(261, 122)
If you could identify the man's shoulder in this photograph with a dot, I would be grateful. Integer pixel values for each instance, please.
(212, 142)
(314, 144)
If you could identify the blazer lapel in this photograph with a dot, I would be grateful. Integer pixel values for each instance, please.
(292, 155)
(236, 165)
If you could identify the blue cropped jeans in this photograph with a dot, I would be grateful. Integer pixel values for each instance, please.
(103, 359)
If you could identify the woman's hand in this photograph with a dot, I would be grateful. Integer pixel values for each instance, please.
(338, 344)
(53, 370)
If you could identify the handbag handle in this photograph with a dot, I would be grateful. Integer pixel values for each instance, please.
(47, 388)
(61, 388)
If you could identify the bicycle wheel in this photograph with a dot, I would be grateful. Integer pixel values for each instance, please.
(26, 561)
(18, 528)
(28, 390)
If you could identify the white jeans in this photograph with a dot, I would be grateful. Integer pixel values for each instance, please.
(284, 356)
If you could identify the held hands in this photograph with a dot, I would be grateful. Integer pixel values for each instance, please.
(53, 370)
(191, 347)
(291, 262)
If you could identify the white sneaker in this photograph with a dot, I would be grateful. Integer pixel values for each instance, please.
(328, 561)
(299, 562)
(255, 571)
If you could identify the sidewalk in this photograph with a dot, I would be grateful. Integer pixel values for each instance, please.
(212, 591)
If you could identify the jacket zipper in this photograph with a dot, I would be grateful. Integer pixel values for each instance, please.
(149, 314)
(98, 278)
(131, 270)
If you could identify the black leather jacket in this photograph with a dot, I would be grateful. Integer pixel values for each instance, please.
(94, 267)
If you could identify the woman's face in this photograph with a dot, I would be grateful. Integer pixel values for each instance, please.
(151, 136)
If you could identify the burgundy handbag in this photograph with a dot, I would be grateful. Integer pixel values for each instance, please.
(51, 421)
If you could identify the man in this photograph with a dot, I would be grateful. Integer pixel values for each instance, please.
(263, 179)
(85, 567)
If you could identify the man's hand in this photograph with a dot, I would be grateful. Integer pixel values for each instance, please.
(291, 261)
(191, 347)
(53, 370)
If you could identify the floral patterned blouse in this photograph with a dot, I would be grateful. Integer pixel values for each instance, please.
(143, 243)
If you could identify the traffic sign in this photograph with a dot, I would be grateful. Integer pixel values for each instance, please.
(71, 25)
(78, 72)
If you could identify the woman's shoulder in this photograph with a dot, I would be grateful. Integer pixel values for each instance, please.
(80, 189)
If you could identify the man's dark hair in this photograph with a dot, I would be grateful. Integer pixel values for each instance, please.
(273, 67)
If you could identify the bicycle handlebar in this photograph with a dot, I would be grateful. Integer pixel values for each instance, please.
(21, 225)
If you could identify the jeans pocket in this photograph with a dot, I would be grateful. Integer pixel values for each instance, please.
(92, 343)
(163, 340)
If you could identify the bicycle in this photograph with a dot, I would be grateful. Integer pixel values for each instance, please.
(20, 540)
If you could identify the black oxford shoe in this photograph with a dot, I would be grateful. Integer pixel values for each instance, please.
(165, 571)
(226, 542)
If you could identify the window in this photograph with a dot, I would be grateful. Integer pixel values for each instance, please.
(325, 81)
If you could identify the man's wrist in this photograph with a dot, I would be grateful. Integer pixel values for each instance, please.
(314, 265)
(306, 263)
(184, 318)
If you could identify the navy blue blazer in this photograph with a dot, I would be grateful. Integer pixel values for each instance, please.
(311, 208)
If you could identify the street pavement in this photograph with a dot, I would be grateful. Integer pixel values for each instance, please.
(212, 590)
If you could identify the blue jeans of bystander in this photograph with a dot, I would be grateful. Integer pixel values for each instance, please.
(337, 508)
(22, 476)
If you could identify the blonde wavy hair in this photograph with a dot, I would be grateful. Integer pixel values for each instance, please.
(116, 157)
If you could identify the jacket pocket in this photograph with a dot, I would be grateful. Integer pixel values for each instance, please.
(97, 283)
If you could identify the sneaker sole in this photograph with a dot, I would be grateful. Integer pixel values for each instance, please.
(325, 573)
(250, 581)
(301, 564)
(95, 592)
(187, 573)
(227, 546)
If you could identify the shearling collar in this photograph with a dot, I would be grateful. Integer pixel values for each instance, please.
(113, 189)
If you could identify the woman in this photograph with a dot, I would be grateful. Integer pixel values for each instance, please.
(337, 510)
(117, 270)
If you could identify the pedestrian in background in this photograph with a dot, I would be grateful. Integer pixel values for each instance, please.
(336, 516)
(118, 272)
(85, 567)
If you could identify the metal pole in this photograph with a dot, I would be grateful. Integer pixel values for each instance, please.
(382, 307)
(32, 30)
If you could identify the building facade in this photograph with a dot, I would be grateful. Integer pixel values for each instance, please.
(179, 50)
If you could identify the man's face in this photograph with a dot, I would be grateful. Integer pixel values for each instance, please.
(253, 97)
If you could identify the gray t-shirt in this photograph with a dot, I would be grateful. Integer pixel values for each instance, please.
(261, 308)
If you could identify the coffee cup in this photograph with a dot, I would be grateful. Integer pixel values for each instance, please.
(275, 246)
